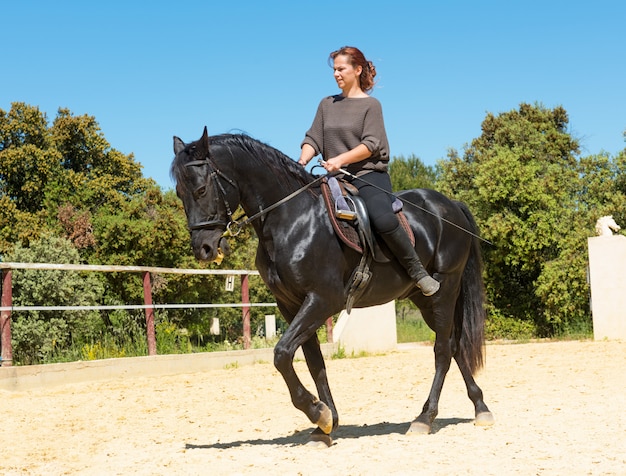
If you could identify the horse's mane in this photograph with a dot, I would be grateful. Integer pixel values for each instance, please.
(291, 174)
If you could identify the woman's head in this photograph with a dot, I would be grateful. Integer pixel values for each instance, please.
(356, 58)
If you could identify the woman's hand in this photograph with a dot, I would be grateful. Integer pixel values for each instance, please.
(332, 165)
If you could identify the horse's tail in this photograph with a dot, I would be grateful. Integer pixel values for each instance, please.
(470, 311)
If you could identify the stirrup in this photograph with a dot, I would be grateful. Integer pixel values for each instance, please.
(344, 214)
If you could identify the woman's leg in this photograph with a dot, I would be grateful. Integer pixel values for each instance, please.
(373, 189)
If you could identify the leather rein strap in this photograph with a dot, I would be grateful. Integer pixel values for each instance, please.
(277, 204)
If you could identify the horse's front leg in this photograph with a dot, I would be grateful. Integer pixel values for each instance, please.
(300, 332)
(317, 368)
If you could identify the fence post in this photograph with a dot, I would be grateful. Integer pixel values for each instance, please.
(329, 330)
(147, 299)
(6, 349)
(245, 309)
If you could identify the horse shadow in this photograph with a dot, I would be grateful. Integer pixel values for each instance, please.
(343, 432)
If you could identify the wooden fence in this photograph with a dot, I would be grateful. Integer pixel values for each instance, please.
(6, 304)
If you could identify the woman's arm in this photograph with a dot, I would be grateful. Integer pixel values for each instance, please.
(306, 154)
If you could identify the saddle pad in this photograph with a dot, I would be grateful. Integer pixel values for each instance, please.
(346, 231)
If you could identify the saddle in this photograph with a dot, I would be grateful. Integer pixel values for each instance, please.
(350, 220)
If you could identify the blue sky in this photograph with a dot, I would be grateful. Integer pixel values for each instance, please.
(150, 70)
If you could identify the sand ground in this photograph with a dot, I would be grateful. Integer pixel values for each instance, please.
(560, 408)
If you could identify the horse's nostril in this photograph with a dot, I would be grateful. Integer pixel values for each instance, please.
(205, 252)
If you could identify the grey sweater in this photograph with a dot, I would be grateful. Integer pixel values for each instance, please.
(341, 124)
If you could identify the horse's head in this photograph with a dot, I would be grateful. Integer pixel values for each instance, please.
(201, 187)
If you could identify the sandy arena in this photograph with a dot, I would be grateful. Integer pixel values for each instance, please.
(560, 408)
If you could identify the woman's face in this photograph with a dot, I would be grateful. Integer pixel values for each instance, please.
(346, 75)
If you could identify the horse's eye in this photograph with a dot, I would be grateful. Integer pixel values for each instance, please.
(201, 192)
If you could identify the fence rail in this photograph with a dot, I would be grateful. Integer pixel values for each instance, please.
(123, 269)
(134, 307)
(6, 303)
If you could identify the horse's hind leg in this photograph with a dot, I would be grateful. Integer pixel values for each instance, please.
(483, 416)
(443, 357)
(439, 317)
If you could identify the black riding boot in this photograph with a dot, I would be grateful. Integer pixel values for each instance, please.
(400, 245)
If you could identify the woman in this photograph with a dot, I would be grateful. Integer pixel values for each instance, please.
(349, 132)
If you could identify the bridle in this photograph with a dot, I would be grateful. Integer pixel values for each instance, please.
(213, 176)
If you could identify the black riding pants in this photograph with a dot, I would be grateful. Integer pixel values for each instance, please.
(378, 201)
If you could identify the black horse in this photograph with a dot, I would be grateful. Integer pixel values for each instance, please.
(307, 268)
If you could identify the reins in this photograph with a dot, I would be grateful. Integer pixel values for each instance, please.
(262, 212)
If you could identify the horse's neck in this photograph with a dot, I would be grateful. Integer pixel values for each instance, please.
(266, 189)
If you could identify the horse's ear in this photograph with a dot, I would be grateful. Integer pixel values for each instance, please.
(204, 140)
(178, 145)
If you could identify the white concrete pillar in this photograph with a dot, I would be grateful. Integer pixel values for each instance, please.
(607, 279)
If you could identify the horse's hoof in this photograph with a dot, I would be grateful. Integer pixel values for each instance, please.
(418, 428)
(325, 421)
(319, 439)
(320, 445)
(484, 419)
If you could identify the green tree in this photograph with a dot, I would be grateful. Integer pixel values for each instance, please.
(93, 172)
(522, 180)
(43, 169)
(562, 286)
(26, 164)
(409, 173)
